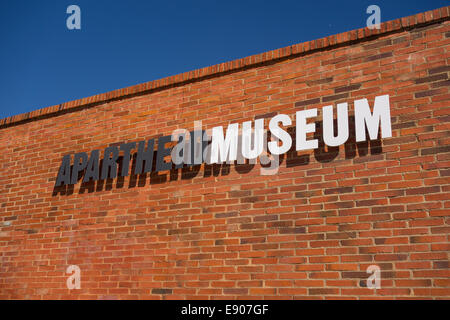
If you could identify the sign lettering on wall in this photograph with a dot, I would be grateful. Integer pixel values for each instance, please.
(240, 142)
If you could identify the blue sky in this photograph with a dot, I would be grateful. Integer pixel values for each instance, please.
(126, 42)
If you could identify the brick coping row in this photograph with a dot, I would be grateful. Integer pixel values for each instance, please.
(345, 38)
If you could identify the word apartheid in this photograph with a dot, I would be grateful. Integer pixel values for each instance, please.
(249, 141)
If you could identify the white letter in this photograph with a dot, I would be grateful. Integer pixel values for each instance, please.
(374, 20)
(226, 147)
(197, 140)
(181, 152)
(73, 282)
(73, 21)
(258, 141)
(207, 151)
(279, 133)
(375, 277)
(363, 116)
(328, 125)
(303, 128)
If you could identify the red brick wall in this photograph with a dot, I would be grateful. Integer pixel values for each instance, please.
(310, 231)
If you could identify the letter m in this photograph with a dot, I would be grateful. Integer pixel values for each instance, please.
(364, 117)
(226, 147)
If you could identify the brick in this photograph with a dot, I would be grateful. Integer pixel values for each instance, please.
(379, 56)
(334, 97)
(352, 87)
(440, 69)
(431, 78)
(307, 102)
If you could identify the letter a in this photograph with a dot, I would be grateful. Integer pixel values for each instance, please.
(373, 21)
(64, 172)
(73, 282)
(74, 20)
(374, 281)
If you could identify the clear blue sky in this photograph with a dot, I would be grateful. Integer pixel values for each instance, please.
(126, 42)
